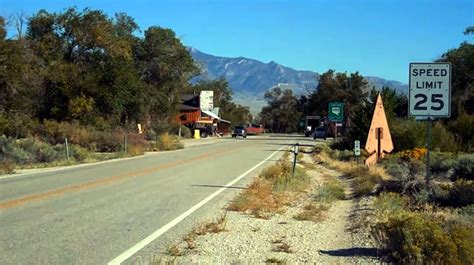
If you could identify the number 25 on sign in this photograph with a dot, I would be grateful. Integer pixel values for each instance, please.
(430, 90)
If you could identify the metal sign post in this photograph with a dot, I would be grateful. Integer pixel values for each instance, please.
(429, 97)
(295, 152)
(335, 114)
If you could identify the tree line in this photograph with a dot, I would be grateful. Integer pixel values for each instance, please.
(87, 67)
(284, 110)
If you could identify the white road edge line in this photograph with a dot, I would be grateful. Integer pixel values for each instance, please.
(130, 252)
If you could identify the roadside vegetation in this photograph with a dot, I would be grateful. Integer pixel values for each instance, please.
(315, 210)
(414, 220)
(274, 188)
(188, 243)
(84, 146)
(92, 78)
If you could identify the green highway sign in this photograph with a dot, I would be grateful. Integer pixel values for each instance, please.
(336, 111)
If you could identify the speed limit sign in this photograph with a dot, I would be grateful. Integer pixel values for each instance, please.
(430, 90)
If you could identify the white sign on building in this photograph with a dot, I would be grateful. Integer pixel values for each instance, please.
(430, 90)
(206, 100)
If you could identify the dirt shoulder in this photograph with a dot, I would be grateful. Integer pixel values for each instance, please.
(338, 237)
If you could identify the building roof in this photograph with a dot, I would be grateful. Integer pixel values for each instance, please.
(190, 100)
(213, 115)
(187, 107)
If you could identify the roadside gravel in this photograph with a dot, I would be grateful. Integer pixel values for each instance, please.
(249, 240)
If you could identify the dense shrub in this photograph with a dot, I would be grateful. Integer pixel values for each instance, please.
(389, 203)
(365, 180)
(342, 155)
(185, 132)
(464, 167)
(32, 151)
(167, 142)
(7, 167)
(80, 154)
(442, 164)
(55, 133)
(109, 142)
(418, 238)
(403, 136)
(443, 140)
(396, 168)
(462, 193)
(136, 144)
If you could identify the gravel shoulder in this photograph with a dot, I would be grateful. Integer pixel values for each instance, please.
(341, 237)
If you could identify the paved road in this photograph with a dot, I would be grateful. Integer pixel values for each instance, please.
(92, 214)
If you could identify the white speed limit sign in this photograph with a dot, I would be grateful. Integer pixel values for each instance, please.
(430, 90)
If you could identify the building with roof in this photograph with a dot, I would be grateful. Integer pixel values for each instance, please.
(194, 117)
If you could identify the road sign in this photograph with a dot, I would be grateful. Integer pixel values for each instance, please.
(357, 147)
(336, 111)
(430, 90)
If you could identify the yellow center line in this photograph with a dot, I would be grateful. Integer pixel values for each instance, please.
(105, 181)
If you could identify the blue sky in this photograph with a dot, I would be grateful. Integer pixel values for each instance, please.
(376, 38)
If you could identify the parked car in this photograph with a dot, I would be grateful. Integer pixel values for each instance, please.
(320, 132)
(239, 131)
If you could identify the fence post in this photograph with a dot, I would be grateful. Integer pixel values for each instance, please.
(125, 143)
(67, 148)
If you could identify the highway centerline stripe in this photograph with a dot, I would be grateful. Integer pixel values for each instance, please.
(105, 181)
(140, 245)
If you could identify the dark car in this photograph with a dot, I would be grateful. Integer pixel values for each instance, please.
(320, 132)
(239, 131)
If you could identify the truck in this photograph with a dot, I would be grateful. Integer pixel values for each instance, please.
(311, 123)
(254, 129)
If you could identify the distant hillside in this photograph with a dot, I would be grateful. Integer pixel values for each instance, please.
(250, 78)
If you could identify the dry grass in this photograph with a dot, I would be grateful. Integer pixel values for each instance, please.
(282, 246)
(275, 261)
(174, 250)
(215, 226)
(313, 211)
(274, 188)
(7, 167)
(258, 199)
(160, 260)
(190, 240)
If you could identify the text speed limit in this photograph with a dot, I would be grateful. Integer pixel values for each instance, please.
(430, 90)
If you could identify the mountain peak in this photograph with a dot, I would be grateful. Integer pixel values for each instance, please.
(250, 79)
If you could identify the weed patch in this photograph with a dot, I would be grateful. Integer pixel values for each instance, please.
(174, 250)
(258, 199)
(166, 142)
(274, 188)
(282, 246)
(275, 261)
(331, 191)
(215, 226)
(313, 211)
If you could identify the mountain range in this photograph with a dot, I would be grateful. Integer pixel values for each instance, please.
(250, 79)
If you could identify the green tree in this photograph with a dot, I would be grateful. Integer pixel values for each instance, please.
(166, 67)
(332, 86)
(280, 114)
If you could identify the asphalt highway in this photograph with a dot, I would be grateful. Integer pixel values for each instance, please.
(95, 214)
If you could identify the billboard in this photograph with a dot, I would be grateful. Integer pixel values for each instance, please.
(206, 100)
